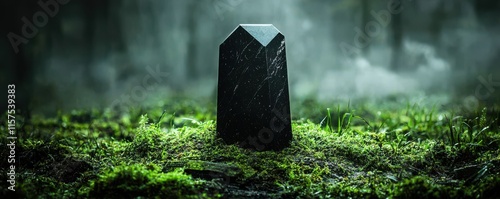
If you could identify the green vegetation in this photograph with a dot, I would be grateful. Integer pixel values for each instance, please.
(374, 150)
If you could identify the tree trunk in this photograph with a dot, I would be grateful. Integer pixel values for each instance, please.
(192, 70)
(397, 43)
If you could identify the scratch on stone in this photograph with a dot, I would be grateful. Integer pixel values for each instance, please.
(228, 74)
(278, 97)
(236, 87)
(242, 51)
(258, 52)
(258, 89)
(280, 49)
(244, 71)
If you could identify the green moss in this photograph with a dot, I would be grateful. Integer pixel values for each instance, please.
(44, 187)
(138, 180)
(385, 151)
(422, 187)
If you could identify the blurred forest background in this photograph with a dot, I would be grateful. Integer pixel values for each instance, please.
(105, 53)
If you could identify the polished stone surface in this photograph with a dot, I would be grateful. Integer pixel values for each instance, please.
(253, 106)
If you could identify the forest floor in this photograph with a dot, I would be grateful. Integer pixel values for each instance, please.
(386, 149)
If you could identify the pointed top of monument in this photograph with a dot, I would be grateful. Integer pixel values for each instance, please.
(263, 33)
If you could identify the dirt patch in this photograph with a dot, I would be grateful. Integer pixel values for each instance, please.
(68, 170)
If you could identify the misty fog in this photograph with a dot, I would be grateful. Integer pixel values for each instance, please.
(98, 53)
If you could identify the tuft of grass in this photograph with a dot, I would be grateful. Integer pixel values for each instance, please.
(343, 120)
(463, 132)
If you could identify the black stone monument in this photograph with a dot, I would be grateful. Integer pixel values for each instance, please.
(253, 106)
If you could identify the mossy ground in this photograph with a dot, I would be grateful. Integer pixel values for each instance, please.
(373, 150)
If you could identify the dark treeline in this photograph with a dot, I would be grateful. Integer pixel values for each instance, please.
(79, 53)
